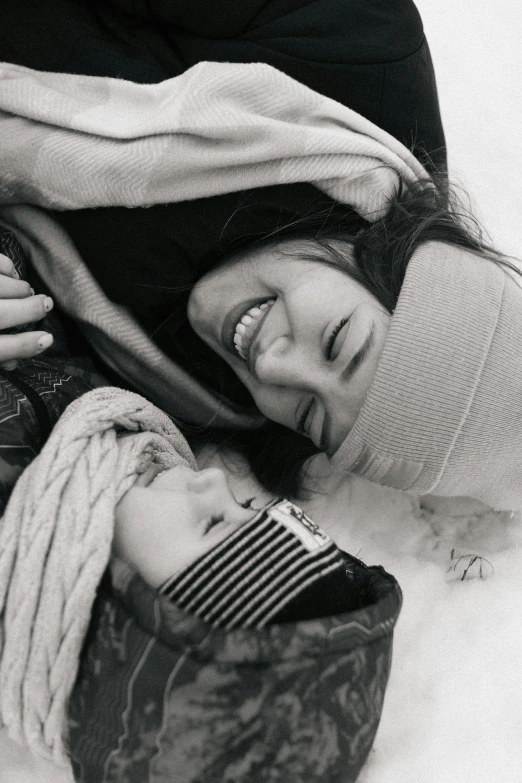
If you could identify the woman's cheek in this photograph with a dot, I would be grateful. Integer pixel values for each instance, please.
(276, 403)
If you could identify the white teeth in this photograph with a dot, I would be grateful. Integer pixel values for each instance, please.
(248, 322)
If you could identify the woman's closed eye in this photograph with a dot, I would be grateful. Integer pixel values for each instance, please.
(330, 345)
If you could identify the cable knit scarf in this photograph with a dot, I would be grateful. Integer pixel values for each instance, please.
(55, 543)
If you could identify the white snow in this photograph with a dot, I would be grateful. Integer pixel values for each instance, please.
(453, 708)
(475, 47)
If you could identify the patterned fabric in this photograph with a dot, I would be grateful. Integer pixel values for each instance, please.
(186, 138)
(35, 394)
(162, 697)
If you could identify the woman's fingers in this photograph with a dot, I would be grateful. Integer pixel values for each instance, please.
(22, 346)
(11, 288)
(7, 267)
(19, 306)
(15, 312)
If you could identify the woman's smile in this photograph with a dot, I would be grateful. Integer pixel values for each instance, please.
(301, 334)
(247, 327)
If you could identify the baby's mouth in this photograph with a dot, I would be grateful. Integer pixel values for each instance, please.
(248, 326)
(146, 478)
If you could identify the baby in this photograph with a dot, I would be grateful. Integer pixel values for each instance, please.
(187, 535)
(116, 475)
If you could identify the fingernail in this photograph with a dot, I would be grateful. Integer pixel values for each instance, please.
(48, 303)
(31, 290)
(15, 274)
(44, 341)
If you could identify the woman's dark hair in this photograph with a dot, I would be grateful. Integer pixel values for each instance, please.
(377, 256)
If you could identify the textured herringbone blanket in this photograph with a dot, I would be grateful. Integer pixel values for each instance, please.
(70, 141)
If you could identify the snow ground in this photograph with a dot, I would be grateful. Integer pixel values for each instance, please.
(476, 51)
(453, 709)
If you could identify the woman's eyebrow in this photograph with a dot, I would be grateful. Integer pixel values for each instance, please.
(355, 362)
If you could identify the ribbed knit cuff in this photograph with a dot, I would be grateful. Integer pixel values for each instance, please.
(257, 571)
(429, 370)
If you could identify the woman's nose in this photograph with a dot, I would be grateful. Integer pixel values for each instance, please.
(283, 364)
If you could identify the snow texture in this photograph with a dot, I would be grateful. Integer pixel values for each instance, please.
(453, 710)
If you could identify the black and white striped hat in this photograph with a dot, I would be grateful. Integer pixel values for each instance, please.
(277, 567)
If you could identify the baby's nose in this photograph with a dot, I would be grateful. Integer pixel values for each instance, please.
(207, 480)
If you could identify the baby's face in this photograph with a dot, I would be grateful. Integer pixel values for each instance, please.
(170, 518)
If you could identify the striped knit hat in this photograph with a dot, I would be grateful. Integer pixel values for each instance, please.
(444, 411)
(277, 567)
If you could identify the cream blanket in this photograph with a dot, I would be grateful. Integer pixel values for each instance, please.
(68, 142)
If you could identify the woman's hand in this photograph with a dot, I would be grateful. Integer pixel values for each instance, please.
(19, 305)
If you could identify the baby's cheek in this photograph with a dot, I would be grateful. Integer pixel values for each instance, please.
(127, 531)
(149, 541)
(136, 541)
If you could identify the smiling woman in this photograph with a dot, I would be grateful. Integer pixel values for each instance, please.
(303, 335)
(302, 318)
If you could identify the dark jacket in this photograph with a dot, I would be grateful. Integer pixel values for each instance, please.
(370, 55)
(162, 697)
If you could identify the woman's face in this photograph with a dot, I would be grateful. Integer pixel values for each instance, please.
(168, 519)
(303, 336)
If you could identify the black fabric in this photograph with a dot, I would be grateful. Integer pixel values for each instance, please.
(370, 55)
(333, 594)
